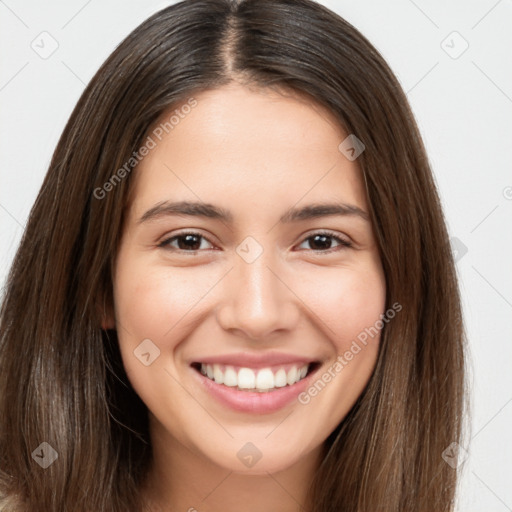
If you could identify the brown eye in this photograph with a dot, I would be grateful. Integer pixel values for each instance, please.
(186, 242)
(322, 242)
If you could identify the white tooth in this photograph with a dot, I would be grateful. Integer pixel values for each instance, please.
(230, 378)
(246, 378)
(280, 378)
(265, 379)
(217, 374)
(262, 380)
(292, 375)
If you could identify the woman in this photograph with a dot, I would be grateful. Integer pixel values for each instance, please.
(235, 289)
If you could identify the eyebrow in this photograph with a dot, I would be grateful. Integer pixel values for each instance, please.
(199, 209)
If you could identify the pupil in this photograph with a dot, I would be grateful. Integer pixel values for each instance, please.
(325, 241)
(190, 242)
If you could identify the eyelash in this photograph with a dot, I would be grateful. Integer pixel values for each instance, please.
(343, 244)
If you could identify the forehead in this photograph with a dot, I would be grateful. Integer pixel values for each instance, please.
(257, 148)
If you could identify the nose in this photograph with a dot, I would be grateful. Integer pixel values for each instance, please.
(257, 301)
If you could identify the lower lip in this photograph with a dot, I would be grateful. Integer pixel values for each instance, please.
(253, 401)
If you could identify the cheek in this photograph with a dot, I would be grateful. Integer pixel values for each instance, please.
(151, 303)
(347, 302)
(156, 304)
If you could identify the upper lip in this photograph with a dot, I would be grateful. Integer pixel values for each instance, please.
(249, 360)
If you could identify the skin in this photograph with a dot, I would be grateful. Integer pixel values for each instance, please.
(255, 153)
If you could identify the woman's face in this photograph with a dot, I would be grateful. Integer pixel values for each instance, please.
(258, 296)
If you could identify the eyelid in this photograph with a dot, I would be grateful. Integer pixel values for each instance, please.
(344, 243)
(167, 239)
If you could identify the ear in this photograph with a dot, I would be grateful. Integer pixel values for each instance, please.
(108, 322)
(106, 314)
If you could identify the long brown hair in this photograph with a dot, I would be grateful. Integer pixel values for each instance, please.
(61, 377)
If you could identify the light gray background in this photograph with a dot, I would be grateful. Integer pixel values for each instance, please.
(463, 105)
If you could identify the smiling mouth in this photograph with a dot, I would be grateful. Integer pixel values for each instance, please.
(260, 380)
